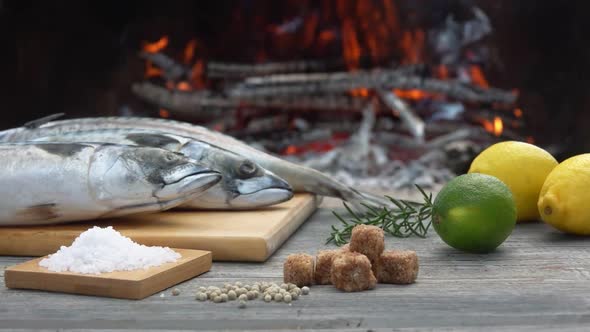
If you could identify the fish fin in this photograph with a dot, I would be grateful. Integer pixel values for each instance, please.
(41, 121)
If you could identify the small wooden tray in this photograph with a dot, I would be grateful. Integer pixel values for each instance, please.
(134, 285)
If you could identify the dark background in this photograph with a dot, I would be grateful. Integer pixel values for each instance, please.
(79, 57)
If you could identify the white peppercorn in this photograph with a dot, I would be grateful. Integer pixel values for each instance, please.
(267, 298)
(305, 290)
(217, 299)
(175, 292)
(243, 297)
(201, 297)
(287, 298)
(231, 295)
(278, 297)
(224, 297)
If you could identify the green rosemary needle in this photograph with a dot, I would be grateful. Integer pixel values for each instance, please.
(407, 219)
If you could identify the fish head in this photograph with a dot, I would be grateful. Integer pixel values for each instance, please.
(245, 184)
(131, 176)
(262, 189)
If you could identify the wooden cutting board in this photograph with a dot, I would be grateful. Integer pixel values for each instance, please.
(133, 285)
(229, 235)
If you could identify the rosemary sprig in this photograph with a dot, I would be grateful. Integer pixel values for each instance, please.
(407, 219)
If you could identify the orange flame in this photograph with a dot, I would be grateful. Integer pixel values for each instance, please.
(164, 113)
(350, 45)
(189, 51)
(157, 46)
(478, 77)
(151, 70)
(291, 150)
(326, 36)
(197, 73)
(412, 43)
(442, 72)
(361, 92)
(183, 86)
(413, 94)
(498, 126)
(518, 112)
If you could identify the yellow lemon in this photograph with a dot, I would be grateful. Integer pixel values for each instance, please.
(522, 167)
(564, 198)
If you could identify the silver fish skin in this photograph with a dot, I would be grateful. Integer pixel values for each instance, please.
(245, 185)
(51, 183)
(302, 179)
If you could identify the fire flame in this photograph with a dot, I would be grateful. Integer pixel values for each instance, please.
(413, 94)
(478, 77)
(498, 126)
(350, 45)
(157, 46)
(362, 92)
(189, 51)
(495, 127)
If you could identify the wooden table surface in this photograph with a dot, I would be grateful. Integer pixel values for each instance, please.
(539, 279)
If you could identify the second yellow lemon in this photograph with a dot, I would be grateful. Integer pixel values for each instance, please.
(522, 167)
(563, 202)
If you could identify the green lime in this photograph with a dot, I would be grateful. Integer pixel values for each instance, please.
(474, 213)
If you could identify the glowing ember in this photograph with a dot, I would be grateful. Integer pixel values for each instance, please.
(151, 70)
(183, 86)
(350, 45)
(498, 126)
(518, 112)
(157, 46)
(189, 51)
(164, 113)
(412, 44)
(413, 94)
(478, 77)
(197, 71)
(362, 92)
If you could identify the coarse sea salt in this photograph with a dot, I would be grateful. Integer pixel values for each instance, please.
(100, 250)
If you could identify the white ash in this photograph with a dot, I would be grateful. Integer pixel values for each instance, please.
(100, 250)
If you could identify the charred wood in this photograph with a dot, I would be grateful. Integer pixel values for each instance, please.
(201, 100)
(171, 70)
(410, 120)
(326, 83)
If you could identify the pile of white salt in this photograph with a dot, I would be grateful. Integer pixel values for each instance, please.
(100, 250)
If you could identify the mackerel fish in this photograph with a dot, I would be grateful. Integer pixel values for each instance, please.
(51, 183)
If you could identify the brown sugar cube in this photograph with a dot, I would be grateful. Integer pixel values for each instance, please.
(367, 240)
(323, 265)
(345, 248)
(298, 270)
(396, 267)
(351, 272)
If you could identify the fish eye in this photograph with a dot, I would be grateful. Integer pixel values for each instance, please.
(247, 168)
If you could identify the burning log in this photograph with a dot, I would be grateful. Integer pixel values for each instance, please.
(410, 120)
(174, 71)
(341, 82)
(203, 100)
(239, 70)
(171, 70)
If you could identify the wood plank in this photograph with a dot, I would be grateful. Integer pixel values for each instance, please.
(134, 285)
(229, 235)
(537, 280)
